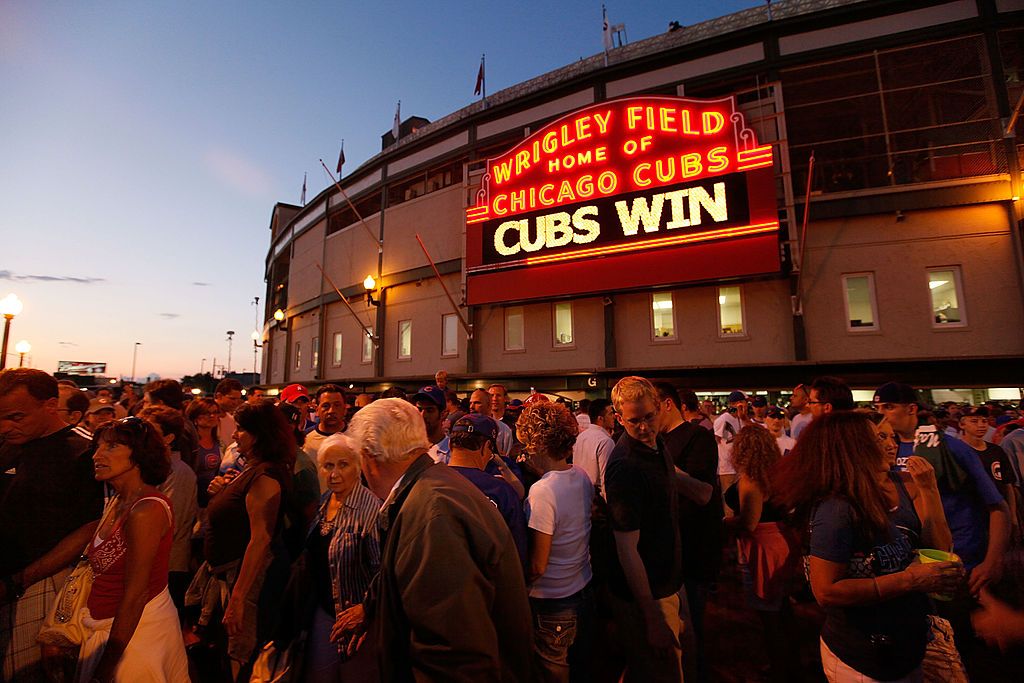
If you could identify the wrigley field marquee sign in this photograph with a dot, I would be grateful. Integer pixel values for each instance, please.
(629, 193)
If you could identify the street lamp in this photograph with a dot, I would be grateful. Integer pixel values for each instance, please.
(231, 335)
(10, 306)
(22, 348)
(256, 346)
(369, 284)
(279, 315)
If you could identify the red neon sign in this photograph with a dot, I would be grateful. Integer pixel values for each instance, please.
(629, 176)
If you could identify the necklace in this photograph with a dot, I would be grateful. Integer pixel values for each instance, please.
(327, 525)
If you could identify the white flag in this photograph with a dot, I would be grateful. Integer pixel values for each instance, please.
(397, 125)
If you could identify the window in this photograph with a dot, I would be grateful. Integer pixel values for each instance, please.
(663, 316)
(404, 339)
(910, 114)
(336, 357)
(449, 335)
(946, 296)
(563, 324)
(367, 356)
(861, 311)
(314, 358)
(730, 312)
(298, 355)
(515, 337)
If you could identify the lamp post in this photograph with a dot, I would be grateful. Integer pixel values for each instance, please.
(22, 348)
(135, 355)
(256, 346)
(10, 306)
(201, 366)
(231, 335)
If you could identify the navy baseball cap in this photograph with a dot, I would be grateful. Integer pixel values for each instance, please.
(895, 392)
(759, 402)
(736, 396)
(475, 422)
(434, 394)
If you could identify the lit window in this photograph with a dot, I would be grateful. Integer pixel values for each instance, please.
(663, 316)
(514, 329)
(405, 339)
(367, 346)
(298, 355)
(947, 297)
(859, 290)
(336, 357)
(449, 335)
(314, 357)
(563, 324)
(730, 312)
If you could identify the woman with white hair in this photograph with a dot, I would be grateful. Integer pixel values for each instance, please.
(343, 555)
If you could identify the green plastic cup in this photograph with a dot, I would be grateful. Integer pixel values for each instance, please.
(929, 555)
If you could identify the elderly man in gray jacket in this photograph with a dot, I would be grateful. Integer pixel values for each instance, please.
(450, 600)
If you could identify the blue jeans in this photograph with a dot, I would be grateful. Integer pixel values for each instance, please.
(558, 623)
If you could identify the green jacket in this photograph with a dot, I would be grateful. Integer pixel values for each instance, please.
(450, 601)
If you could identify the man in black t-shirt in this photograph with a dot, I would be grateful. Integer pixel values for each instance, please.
(48, 511)
(974, 425)
(643, 513)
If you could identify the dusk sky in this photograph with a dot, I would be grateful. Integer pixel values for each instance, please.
(144, 145)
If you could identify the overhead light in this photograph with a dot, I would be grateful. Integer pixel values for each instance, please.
(935, 284)
(721, 299)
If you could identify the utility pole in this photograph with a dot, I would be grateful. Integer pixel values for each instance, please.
(135, 355)
(231, 334)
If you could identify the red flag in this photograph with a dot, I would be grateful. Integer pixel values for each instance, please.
(341, 158)
(480, 78)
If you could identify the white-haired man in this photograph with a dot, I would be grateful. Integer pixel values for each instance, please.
(450, 599)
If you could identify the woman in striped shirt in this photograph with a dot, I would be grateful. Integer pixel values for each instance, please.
(343, 555)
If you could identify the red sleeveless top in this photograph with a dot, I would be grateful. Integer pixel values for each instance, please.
(108, 561)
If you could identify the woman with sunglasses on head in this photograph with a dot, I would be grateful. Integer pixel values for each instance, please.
(204, 414)
(243, 545)
(134, 624)
(864, 529)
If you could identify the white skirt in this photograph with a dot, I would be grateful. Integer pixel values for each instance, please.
(155, 654)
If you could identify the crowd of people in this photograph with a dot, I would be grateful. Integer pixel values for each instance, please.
(439, 536)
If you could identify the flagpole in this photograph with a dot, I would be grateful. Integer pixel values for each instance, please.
(483, 70)
(366, 330)
(465, 325)
(803, 235)
(380, 247)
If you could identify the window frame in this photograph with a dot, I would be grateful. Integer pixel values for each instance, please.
(958, 283)
(366, 348)
(445, 317)
(555, 344)
(732, 336)
(653, 327)
(398, 339)
(873, 300)
(337, 349)
(314, 356)
(522, 317)
(298, 356)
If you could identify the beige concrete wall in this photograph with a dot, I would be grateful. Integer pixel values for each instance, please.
(339, 319)
(303, 276)
(768, 338)
(439, 219)
(541, 354)
(423, 304)
(304, 328)
(278, 342)
(976, 238)
(352, 254)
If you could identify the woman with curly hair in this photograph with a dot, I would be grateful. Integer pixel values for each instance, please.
(135, 634)
(864, 528)
(558, 519)
(767, 549)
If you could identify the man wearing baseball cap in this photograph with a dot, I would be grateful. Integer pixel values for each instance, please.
(977, 515)
(474, 443)
(432, 403)
(298, 396)
(727, 426)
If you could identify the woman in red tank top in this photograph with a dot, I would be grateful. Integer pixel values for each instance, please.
(135, 625)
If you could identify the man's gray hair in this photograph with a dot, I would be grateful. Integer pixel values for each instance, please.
(389, 430)
(340, 442)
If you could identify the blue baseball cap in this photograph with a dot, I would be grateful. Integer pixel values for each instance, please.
(432, 393)
(475, 422)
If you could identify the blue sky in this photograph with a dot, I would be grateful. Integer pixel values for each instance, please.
(143, 145)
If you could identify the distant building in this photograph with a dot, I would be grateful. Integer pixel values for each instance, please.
(913, 249)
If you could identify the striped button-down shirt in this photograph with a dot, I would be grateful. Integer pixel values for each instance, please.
(354, 553)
